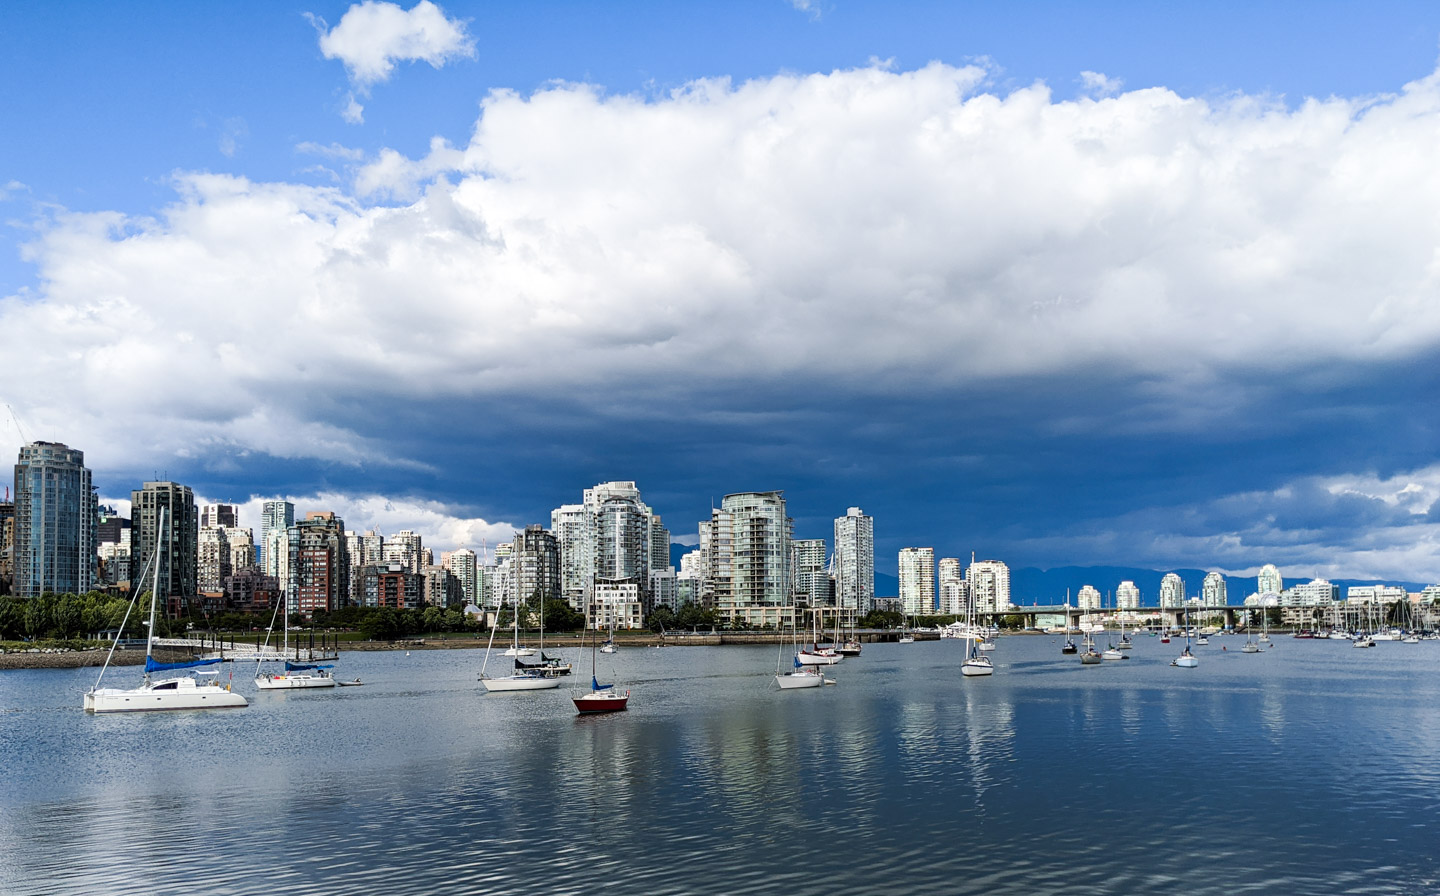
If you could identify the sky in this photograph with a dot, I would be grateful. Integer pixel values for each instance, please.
(1055, 283)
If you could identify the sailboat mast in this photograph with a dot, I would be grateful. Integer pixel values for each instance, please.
(154, 593)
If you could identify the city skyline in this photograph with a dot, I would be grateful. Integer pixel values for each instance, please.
(1028, 284)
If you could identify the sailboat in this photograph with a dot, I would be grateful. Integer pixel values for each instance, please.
(296, 674)
(1069, 646)
(187, 692)
(905, 636)
(976, 663)
(800, 675)
(1186, 659)
(1089, 656)
(602, 697)
(609, 645)
(522, 679)
(817, 655)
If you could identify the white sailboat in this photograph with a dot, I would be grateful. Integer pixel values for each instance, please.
(200, 690)
(521, 679)
(976, 663)
(297, 674)
(817, 655)
(1186, 659)
(800, 674)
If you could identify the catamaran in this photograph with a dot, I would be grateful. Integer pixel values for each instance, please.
(200, 690)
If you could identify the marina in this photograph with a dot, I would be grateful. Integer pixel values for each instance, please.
(1307, 768)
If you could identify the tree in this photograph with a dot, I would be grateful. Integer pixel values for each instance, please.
(381, 625)
(660, 619)
(561, 617)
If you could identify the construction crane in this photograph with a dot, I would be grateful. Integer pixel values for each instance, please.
(16, 421)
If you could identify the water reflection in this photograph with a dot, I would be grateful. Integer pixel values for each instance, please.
(1239, 776)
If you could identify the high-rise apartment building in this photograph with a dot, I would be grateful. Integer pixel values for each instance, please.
(212, 563)
(1269, 581)
(917, 581)
(953, 592)
(807, 567)
(535, 564)
(53, 524)
(7, 546)
(855, 561)
(223, 516)
(319, 565)
(747, 565)
(462, 565)
(276, 518)
(1127, 596)
(405, 548)
(989, 582)
(1212, 591)
(178, 545)
(611, 536)
(1172, 591)
(1088, 600)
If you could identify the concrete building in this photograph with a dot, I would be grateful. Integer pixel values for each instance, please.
(1269, 580)
(954, 593)
(212, 560)
(807, 567)
(276, 518)
(747, 559)
(616, 604)
(462, 564)
(1213, 592)
(1088, 599)
(251, 591)
(405, 548)
(391, 586)
(917, 581)
(319, 565)
(7, 546)
(220, 516)
(536, 565)
(855, 561)
(1127, 596)
(989, 582)
(1172, 591)
(1315, 593)
(610, 536)
(179, 544)
(52, 522)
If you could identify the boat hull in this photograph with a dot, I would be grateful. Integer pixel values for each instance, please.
(793, 680)
(819, 659)
(601, 701)
(172, 694)
(293, 682)
(973, 668)
(520, 683)
(1185, 662)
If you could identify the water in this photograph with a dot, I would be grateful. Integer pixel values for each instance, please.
(1312, 768)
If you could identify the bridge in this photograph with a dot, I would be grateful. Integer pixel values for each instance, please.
(1172, 616)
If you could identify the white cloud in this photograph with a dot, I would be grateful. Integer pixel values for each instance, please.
(1100, 85)
(444, 527)
(868, 225)
(809, 7)
(372, 36)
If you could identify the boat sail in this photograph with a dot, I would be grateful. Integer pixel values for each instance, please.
(187, 692)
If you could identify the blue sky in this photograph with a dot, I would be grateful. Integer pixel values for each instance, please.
(1056, 283)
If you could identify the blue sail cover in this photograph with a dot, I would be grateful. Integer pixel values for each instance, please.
(300, 667)
(798, 664)
(152, 666)
(597, 686)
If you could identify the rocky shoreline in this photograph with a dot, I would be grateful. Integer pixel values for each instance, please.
(59, 658)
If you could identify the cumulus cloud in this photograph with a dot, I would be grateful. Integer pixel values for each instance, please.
(874, 230)
(372, 36)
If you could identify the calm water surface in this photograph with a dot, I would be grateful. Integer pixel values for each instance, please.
(1312, 768)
